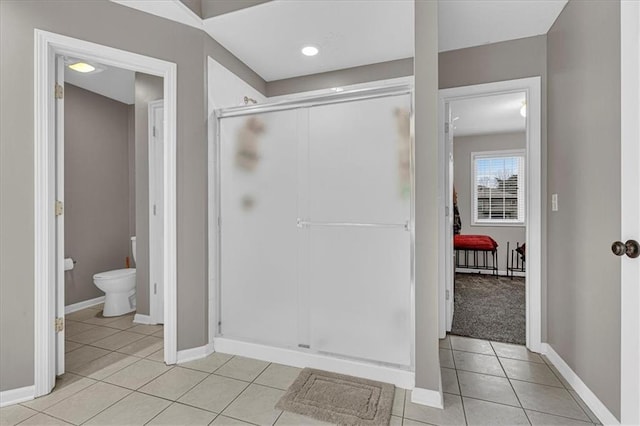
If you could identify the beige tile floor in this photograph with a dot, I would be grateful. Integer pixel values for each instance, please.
(116, 376)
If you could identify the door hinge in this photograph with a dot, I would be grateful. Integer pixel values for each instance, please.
(154, 131)
(446, 211)
(59, 208)
(446, 293)
(59, 91)
(59, 325)
(154, 209)
(446, 127)
(155, 288)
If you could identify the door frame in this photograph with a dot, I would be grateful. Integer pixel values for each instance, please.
(535, 182)
(630, 205)
(47, 46)
(155, 229)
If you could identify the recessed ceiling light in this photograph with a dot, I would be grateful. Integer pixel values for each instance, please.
(82, 67)
(310, 51)
(337, 89)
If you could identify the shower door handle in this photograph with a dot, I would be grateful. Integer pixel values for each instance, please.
(305, 224)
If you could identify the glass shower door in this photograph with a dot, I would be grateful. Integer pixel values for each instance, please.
(259, 245)
(355, 239)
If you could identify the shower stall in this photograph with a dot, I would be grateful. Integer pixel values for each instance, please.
(315, 232)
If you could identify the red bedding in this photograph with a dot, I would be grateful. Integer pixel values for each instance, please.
(474, 242)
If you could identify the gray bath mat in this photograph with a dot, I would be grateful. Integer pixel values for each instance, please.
(340, 399)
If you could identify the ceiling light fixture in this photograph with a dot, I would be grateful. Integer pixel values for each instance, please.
(523, 110)
(337, 89)
(82, 67)
(310, 51)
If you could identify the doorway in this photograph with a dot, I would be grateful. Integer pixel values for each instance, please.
(523, 209)
(49, 191)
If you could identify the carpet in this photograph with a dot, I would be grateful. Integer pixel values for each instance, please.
(339, 399)
(489, 307)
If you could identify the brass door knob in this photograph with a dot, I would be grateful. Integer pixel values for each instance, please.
(631, 248)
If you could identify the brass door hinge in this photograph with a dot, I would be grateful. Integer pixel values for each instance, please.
(59, 208)
(59, 91)
(59, 325)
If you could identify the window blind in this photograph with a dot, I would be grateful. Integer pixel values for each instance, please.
(498, 187)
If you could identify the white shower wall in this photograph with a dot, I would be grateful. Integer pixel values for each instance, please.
(315, 207)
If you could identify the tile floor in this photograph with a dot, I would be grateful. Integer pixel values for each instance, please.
(115, 375)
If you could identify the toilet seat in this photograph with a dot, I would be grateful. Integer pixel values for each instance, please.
(116, 274)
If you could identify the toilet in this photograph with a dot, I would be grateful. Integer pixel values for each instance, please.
(119, 287)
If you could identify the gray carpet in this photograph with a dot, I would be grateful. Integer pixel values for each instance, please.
(339, 399)
(488, 307)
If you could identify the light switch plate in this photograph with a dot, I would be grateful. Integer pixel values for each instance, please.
(554, 202)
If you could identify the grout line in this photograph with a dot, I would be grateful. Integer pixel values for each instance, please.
(455, 367)
(33, 415)
(278, 418)
(514, 390)
(106, 408)
(564, 417)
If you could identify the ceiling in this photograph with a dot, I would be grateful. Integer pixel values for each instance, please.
(115, 83)
(268, 37)
(488, 114)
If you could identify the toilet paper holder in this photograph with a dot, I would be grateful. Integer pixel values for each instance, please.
(69, 263)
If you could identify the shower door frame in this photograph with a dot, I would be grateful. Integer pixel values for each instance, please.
(303, 357)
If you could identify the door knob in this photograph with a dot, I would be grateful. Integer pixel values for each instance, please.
(631, 248)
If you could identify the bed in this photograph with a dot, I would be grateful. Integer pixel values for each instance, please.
(478, 252)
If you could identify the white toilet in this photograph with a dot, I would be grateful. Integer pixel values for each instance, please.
(119, 287)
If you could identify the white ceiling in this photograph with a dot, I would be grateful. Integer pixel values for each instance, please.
(488, 114)
(349, 33)
(115, 83)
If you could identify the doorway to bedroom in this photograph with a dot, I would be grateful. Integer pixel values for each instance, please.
(488, 194)
(491, 212)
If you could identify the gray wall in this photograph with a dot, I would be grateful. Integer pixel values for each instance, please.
(463, 146)
(584, 162)
(344, 77)
(194, 5)
(426, 186)
(148, 88)
(136, 32)
(96, 186)
(526, 57)
(211, 8)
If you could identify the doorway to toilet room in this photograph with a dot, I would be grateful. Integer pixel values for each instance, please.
(112, 227)
(112, 192)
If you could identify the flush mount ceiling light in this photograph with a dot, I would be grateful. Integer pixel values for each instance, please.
(337, 89)
(310, 51)
(523, 110)
(82, 67)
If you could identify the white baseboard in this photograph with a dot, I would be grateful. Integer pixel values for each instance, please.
(14, 396)
(489, 272)
(82, 305)
(401, 378)
(589, 398)
(195, 353)
(427, 397)
(143, 319)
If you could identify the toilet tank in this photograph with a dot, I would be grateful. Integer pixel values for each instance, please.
(133, 247)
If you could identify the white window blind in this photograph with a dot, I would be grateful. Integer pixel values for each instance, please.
(498, 187)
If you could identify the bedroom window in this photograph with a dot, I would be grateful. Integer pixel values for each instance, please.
(498, 187)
